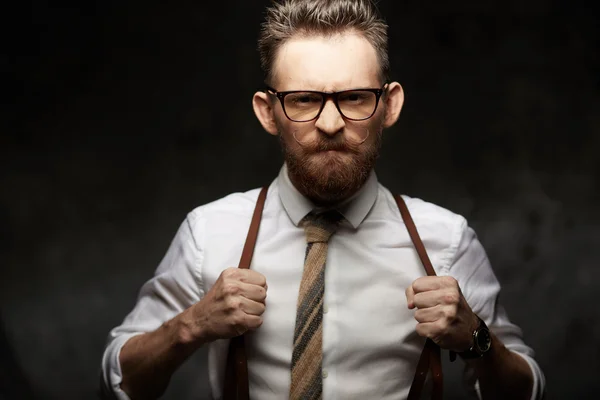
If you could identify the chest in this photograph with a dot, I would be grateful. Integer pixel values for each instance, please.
(366, 274)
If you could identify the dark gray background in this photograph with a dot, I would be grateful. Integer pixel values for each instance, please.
(120, 117)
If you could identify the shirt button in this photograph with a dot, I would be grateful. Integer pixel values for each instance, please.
(325, 374)
(325, 309)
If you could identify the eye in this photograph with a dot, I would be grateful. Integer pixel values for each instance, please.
(356, 97)
(303, 99)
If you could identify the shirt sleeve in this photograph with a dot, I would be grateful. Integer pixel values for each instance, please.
(176, 285)
(472, 269)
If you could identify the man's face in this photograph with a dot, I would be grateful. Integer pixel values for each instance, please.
(331, 161)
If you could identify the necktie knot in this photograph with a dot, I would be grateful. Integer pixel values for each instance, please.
(319, 227)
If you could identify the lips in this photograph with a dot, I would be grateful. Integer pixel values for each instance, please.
(330, 147)
(330, 152)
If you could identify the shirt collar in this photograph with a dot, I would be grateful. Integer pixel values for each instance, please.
(354, 209)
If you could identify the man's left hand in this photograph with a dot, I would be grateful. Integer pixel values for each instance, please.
(442, 312)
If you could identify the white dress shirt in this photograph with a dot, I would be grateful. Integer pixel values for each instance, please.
(370, 346)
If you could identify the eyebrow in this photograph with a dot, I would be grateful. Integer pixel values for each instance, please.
(322, 89)
(308, 85)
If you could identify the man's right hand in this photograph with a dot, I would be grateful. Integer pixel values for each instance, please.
(233, 306)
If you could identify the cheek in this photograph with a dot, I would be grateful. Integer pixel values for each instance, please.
(376, 124)
(369, 129)
(284, 125)
(285, 130)
(289, 129)
(301, 129)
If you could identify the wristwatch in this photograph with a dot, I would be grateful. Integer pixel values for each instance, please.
(482, 342)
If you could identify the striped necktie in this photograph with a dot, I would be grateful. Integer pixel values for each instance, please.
(307, 380)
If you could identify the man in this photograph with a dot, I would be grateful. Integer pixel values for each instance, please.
(353, 334)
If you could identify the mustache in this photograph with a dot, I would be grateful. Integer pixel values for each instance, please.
(336, 143)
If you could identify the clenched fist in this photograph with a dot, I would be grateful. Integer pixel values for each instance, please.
(233, 306)
(442, 312)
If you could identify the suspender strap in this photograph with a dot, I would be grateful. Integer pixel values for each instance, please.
(236, 370)
(248, 250)
(430, 357)
(414, 235)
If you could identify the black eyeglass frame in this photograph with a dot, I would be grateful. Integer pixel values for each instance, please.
(326, 96)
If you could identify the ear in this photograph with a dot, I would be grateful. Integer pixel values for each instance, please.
(264, 112)
(394, 99)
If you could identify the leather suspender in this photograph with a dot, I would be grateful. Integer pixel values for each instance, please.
(430, 357)
(236, 371)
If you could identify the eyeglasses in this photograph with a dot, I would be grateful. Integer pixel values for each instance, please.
(307, 105)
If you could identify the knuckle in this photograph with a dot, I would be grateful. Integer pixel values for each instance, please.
(416, 283)
(450, 297)
(233, 304)
(450, 281)
(451, 313)
(262, 293)
(439, 312)
(442, 327)
(231, 288)
(229, 273)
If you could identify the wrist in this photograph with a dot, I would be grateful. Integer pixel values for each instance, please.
(186, 331)
(480, 340)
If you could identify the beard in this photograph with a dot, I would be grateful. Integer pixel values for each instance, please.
(329, 178)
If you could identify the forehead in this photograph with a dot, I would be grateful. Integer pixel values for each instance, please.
(326, 63)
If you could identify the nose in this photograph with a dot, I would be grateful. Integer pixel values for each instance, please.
(330, 121)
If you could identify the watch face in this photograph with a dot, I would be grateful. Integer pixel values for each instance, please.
(483, 341)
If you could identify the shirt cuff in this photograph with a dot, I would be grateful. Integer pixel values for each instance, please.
(539, 382)
(111, 367)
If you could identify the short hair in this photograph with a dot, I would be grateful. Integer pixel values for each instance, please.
(291, 18)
